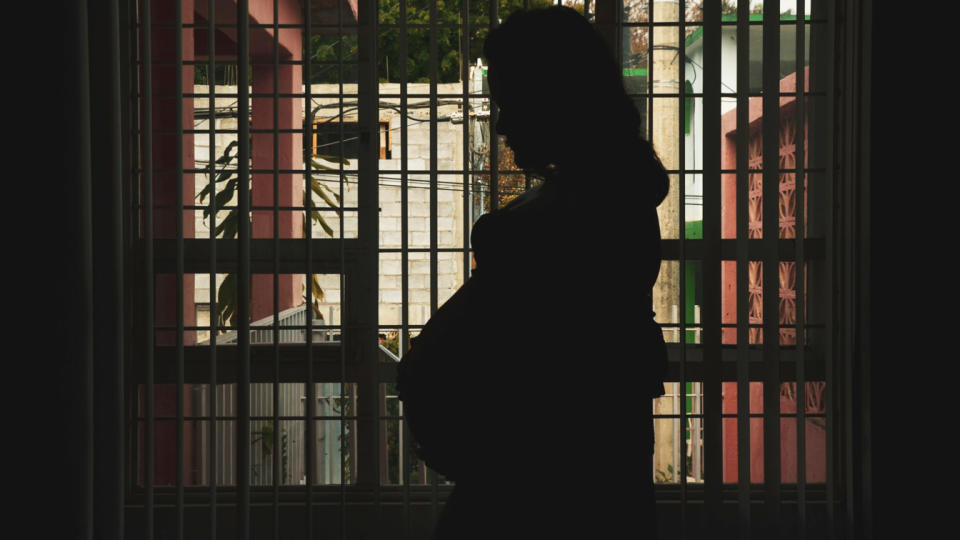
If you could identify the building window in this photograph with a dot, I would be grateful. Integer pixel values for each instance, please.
(327, 139)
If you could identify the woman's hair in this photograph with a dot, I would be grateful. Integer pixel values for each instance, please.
(555, 59)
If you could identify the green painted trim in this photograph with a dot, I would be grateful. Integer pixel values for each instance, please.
(732, 17)
(634, 72)
(690, 286)
(697, 34)
(692, 230)
(687, 102)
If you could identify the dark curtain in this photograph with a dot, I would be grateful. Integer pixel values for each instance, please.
(87, 278)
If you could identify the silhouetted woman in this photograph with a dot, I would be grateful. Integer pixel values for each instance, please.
(531, 387)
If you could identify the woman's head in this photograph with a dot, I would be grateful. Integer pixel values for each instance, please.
(560, 93)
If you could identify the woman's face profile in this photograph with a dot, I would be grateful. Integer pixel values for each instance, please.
(530, 131)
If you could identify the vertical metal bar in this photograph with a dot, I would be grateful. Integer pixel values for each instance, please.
(403, 340)
(619, 19)
(149, 285)
(243, 277)
(311, 399)
(435, 501)
(276, 271)
(343, 328)
(710, 319)
(494, 137)
(434, 76)
(368, 440)
(130, 90)
(681, 219)
(526, 177)
(178, 70)
(465, 77)
(214, 313)
(800, 176)
(743, 270)
(771, 260)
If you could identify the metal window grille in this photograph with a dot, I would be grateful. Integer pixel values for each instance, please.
(277, 417)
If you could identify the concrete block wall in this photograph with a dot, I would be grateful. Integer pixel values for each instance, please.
(450, 217)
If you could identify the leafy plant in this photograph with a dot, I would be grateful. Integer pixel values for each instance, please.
(265, 437)
(666, 477)
(224, 189)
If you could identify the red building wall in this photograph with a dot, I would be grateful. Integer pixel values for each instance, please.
(815, 449)
(194, 46)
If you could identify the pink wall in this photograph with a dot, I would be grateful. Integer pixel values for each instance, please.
(165, 158)
(166, 199)
(815, 434)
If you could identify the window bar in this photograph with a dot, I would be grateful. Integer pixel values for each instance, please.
(820, 6)
(800, 264)
(434, 480)
(494, 137)
(743, 270)
(771, 260)
(132, 118)
(311, 399)
(212, 393)
(178, 70)
(344, 312)
(407, 446)
(276, 271)
(243, 276)
(650, 89)
(149, 287)
(467, 103)
(682, 187)
(526, 177)
(368, 441)
(710, 318)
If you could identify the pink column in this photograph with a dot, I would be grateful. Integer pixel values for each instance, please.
(166, 200)
(729, 430)
(290, 185)
(728, 227)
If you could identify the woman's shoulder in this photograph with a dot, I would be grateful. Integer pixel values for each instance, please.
(526, 200)
(519, 208)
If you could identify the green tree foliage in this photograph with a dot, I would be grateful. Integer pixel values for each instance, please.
(449, 46)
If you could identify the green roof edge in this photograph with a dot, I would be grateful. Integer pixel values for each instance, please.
(733, 17)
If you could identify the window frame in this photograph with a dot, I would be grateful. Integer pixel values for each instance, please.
(834, 249)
